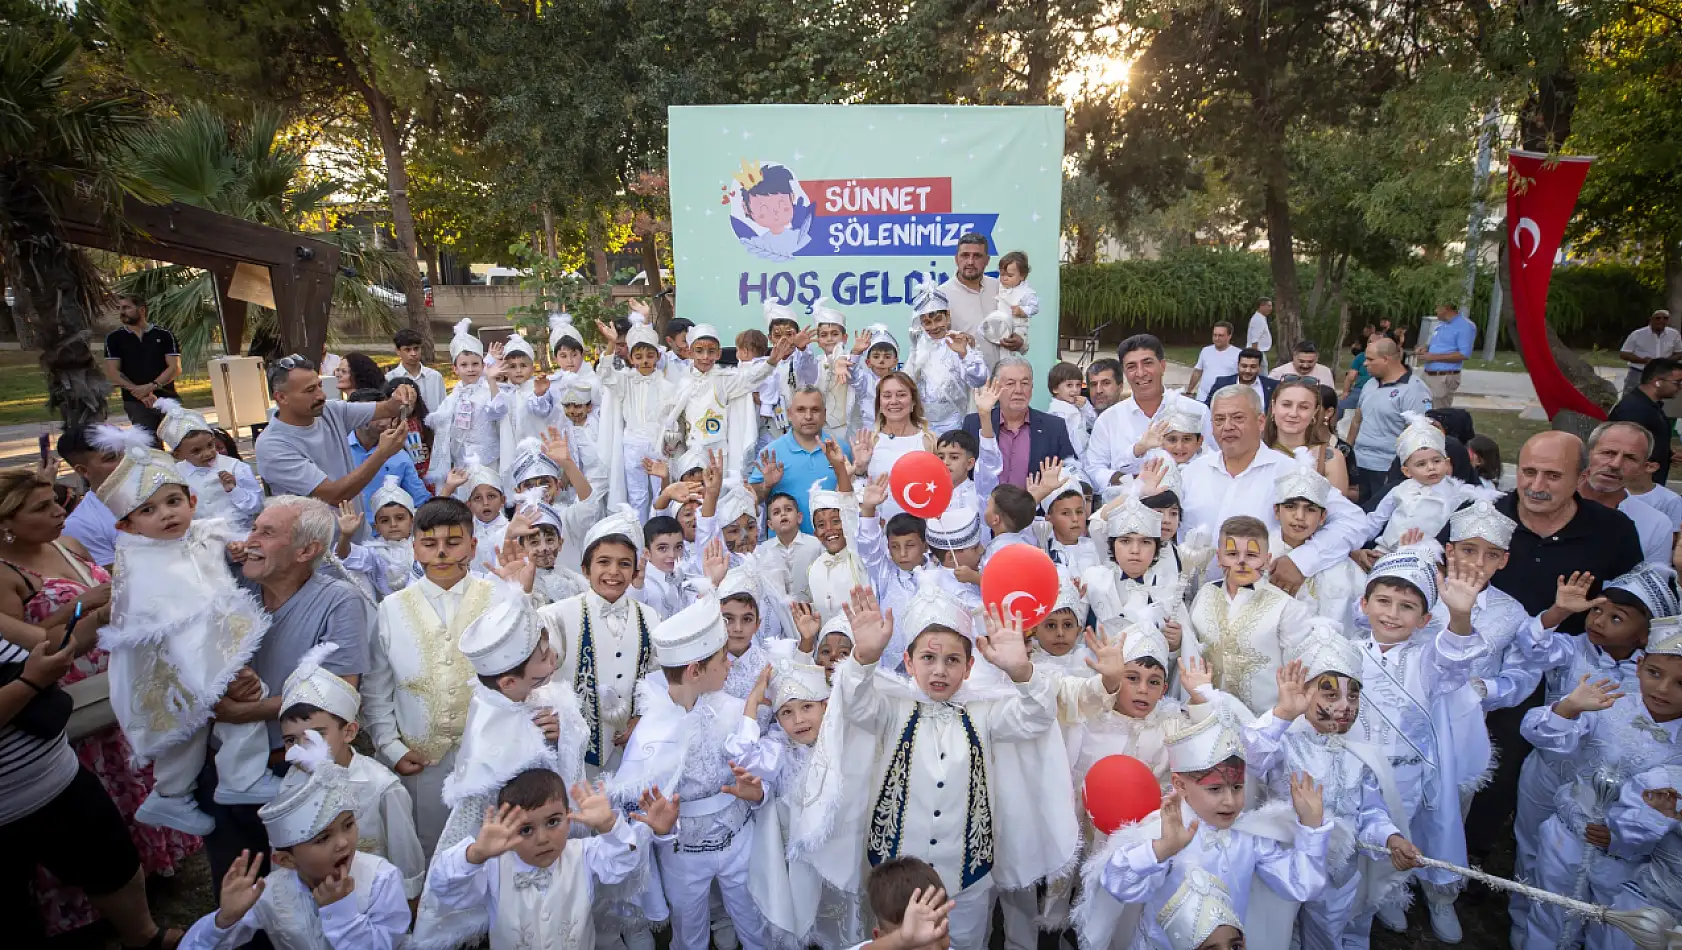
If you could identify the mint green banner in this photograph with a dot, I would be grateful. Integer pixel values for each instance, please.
(857, 204)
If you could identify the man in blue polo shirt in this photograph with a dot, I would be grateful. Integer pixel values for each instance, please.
(1450, 345)
(798, 454)
(1391, 391)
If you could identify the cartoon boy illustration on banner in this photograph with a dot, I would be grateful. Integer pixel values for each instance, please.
(769, 210)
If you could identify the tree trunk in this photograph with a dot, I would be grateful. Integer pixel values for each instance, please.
(8, 320)
(1673, 276)
(1287, 299)
(1317, 293)
(651, 268)
(1086, 245)
(55, 295)
(402, 218)
(551, 243)
(1040, 54)
(1342, 305)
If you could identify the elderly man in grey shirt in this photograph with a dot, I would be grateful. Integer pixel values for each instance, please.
(304, 449)
(1391, 391)
(973, 295)
(307, 606)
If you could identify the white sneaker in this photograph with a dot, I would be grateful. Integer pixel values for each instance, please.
(1444, 922)
(1393, 918)
(182, 814)
(260, 793)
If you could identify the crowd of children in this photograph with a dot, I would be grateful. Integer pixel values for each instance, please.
(614, 688)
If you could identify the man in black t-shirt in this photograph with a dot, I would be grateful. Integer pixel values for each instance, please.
(1661, 380)
(143, 361)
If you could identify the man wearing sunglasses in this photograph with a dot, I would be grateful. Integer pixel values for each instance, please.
(305, 449)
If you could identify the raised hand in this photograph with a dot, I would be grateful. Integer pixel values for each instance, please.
(610, 336)
(1176, 834)
(1293, 692)
(1307, 800)
(658, 812)
(747, 786)
(1664, 801)
(1154, 434)
(1411, 536)
(1588, 697)
(1194, 673)
(1461, 585)
(498, 834)
(864, 446)
(803, 339)
(770, 470)
(1106, 659)
(1005, 645)
(782, 350)
(453, 481)
(715, 562)
(1403, 855)
(241, 887)
(1571, 594)
(861, 342)
(756, 696)
(593, 807)
(872, 627)
(807, 623)
(927, 918)
(712, 474)
(832, 453)
(657, 468)
(1151, 475)
(336, 887)
(959, 343)
(348, 517)
(875, 493)
(1048, 479)
(556, 446)
(987, 397)
(540, 384)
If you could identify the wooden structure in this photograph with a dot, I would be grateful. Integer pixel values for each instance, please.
(300, 269)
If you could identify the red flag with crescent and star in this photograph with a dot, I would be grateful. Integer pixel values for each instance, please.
(1541, 193)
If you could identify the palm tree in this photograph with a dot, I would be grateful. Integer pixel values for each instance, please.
(57, 145)
(244, 170)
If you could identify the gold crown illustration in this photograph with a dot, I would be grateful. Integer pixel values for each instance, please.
(750, 175)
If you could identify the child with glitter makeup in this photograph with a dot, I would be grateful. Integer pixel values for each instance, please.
(1242, 624)
(1306, 732)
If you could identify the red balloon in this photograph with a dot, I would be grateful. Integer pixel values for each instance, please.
(1020, 579)
(1120, 790)
(921, 484)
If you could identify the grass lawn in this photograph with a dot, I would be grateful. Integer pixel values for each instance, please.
(23, 390)
(1507, 429)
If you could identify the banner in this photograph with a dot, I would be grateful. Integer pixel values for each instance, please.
(1541, 193)
(858, 204)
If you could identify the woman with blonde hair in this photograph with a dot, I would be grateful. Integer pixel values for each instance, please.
(900, 428)
(43, 576)
(1294, 421)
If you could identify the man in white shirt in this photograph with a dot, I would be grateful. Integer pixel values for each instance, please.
(1218, 359)
(1656, 339)
(1616, 451)
(1114, 449)
(1238, 480)
(409, 366)
(1259, 336)
(1305, 361)
(973, 295)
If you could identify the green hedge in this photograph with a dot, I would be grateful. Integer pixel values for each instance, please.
(1181, 294)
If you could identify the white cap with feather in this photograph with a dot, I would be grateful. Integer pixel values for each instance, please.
(1481, 519)
(561, 328)
(823, 314)
(517, 343)
(312, 795)
(640, 334)
(140, 472)
(312, 685)
(391, 492)
(775, 310)
(179, 422)
(530, 462)
(463, 340)
(1420, 433)
(478, 473)
(927, 297)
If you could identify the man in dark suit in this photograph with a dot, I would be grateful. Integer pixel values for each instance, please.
(1250, 374)
(1027, 437)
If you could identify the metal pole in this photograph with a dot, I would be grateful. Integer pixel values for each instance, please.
(1474, 223)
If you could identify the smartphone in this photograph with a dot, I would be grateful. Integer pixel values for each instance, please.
(46, 443)
(70, 629)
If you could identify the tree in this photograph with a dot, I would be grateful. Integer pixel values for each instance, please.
(57, 146)
(323, 58)
(242, 170)
(1234, 81)
(1628, 114)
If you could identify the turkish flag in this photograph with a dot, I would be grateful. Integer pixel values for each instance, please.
(1541, 192)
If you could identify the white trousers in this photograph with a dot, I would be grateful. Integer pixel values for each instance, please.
(971, 920)
(634, 448)
(688, 878)
(1559, 860)
(1325, 923)
(426, 790)
(241, 761)
(1536, 783)
(1021, 910)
